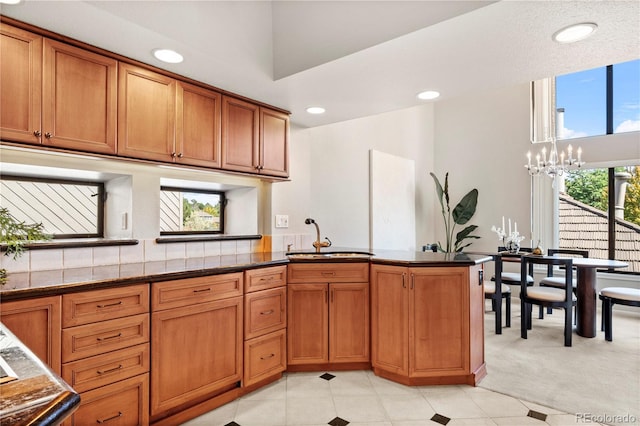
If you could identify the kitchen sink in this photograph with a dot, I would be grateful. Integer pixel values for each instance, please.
(330, 255)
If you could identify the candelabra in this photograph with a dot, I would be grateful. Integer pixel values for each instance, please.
(555, 165)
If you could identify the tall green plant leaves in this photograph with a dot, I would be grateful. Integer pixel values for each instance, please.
(466, 208)
(439, 190)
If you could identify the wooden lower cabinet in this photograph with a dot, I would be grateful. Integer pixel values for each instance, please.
(36, 322)
(427, 324)
(328, 323)
(265, 356)
(124, 403)
(196, 351)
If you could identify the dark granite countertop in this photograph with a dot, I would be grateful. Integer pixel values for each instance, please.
(37, 395)
(23, 285)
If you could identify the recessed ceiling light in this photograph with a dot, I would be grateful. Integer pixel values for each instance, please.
(428, 95)
(575, 32)
(10, 1)
(315, 110)
(168, 55)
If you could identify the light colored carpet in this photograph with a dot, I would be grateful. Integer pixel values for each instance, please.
(593, 377)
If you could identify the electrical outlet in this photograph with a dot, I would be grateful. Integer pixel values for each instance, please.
(282, 221)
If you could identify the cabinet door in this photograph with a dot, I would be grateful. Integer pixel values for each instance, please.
(274, 143)
(36, 322)
(146, 113)
(124, 403)
(307, 323)
(198, 126)
(349, 322)
(195, 351)
(20, 85)
(240, 140)
(390, 318)
(79, 99)
(439, 317)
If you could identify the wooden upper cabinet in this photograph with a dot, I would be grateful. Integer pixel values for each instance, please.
(20, 85)
(254, 139)
(240, 135)
(274, 143)
(198, 126)
(79, 99)
(146, 113)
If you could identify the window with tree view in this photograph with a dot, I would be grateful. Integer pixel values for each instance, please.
(189, 211)
(599, 208)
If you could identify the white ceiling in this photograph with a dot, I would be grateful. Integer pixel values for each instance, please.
(355, 58)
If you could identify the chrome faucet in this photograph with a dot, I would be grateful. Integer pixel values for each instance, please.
(317, 243)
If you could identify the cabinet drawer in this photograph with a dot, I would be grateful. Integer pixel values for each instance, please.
(328, 272)
(93, 339)
(100, 305)
(264, 356)
(264, 278)
(265, 311)
(101, 370)
(125, 403)
(186, 292)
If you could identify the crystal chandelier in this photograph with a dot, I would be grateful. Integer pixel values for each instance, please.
(554, 165)
(546, 122)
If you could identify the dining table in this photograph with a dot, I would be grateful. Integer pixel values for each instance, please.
(586, 291)
(586, 306)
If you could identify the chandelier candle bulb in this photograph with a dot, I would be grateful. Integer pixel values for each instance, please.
(579, 154)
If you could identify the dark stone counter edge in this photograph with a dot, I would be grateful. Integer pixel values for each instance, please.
(54, 290)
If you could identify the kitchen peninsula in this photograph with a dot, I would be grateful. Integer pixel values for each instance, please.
(416, 319)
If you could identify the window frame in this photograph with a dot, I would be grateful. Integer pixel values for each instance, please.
(101, 194)
(223, 204)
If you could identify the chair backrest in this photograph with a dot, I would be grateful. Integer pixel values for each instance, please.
(565, 253)
(430, 247)
(527, 262)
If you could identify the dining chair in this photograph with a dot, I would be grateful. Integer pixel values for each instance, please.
(513, 278)
(547, 296)
(496, 291)
(558, 282)
(610, 296)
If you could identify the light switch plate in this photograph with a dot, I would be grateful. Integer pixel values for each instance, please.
(282, 221)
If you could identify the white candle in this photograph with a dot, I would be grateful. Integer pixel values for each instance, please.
(509, 226)
(579, 154)
(515, 227)
(544, 156)
(529, 159)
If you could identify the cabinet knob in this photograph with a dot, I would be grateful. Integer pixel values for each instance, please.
(180, 155)
(37, 133)
(48, 135)
(173, 155)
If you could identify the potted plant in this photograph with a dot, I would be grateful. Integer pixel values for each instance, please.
(460, 215)
(14, 234)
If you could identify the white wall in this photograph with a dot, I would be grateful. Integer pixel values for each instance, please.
(482, 141)
(330, 174)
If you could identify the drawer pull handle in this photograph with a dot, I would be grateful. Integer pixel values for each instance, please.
(328, 274)
(110, 418)
(266, 279)
(119, 302)
(110, 370)
(269, 312)
(100, 339)
(202, 290)
(267, 357)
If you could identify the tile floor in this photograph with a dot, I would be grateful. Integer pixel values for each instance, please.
(360, 398)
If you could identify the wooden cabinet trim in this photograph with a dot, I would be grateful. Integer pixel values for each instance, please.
(100, 305)
(100, 370)
(328, 272)
(178, 293)
(265, 278)
(47, 347)
(265, 311)
(264, 356)
(126, 401)
(92, 339)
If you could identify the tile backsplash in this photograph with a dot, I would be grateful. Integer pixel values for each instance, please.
(146, 251)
